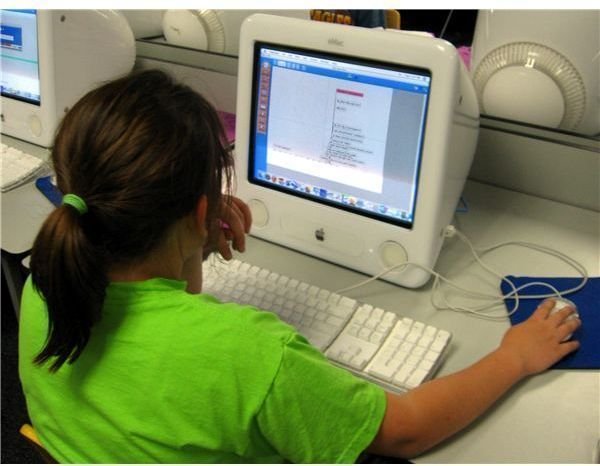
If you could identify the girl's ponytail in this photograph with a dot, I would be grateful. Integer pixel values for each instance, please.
(70, 274)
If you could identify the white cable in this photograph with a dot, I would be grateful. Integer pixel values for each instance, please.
(500, 300)
(495, 301)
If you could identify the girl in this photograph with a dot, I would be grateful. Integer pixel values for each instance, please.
(123, 360)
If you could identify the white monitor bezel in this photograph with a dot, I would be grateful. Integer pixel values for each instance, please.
(357, 241)
(366, 69)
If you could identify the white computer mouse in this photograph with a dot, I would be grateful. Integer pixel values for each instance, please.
(559, 304)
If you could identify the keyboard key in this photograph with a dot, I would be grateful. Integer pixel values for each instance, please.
(372, 323)
(413, 360)
(418, 327)
(430, 331)
(244, 267)
(402, 375)
(361, 316)
(364, 334)
(320, 315)
(283, 280)
(377, 313)
(303, 287)
(347, 302)
(432, 356)
(334, 298)
(440, 341)
(383, 371)
(413, 337)
(354, 329)
(416, 378)
(418, 351)
(343, 312)
(376, 337)
(400, 356)
(318, 339)
(323, 295)
(426, 365)
(334, 320)
(425, 341)
(311, 311)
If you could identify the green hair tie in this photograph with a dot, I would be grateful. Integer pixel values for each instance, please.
(75, 201)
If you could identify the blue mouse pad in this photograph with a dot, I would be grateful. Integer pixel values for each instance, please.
(587, 301)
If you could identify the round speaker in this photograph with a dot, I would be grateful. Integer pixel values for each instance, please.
(260, 213)
(196, 29)
(214, 30)
(35, 125)
(392, 253)
(530, 82)
(183, 28)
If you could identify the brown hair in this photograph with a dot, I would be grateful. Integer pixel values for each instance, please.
(140, 151)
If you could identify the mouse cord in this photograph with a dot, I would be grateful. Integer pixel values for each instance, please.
(495, 301)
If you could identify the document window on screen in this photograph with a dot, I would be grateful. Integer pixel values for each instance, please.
(340, 131)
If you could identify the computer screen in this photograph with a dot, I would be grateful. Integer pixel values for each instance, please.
(353, 145)
(340, 131)
(19, 57)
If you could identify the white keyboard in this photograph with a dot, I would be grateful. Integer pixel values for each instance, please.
(394, 352)
(18, 167)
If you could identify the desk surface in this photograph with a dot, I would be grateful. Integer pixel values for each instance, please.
(550, 418)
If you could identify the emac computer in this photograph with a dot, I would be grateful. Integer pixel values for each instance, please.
(353, 144)
(50, 58)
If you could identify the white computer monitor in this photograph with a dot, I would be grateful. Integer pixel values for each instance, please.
(50, 58)
(352, 144)
(27, 75)
(213, 30)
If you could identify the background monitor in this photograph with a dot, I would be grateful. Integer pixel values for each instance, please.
(50, 58)
(213, 30)
(353, 144)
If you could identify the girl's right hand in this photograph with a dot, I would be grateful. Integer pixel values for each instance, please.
(230, 230)
(537, 343)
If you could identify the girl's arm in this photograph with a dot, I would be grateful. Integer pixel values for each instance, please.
(425, 416)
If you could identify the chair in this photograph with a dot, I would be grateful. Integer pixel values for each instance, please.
(28, 433)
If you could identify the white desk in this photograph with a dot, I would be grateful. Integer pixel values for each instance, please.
(550, 418)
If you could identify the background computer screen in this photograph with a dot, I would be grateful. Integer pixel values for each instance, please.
(19, 59)
(339, 130)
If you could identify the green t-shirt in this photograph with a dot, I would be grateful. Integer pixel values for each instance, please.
(172, 377)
